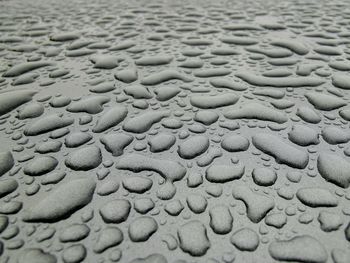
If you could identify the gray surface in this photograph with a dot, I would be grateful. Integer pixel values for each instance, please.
(174, 131)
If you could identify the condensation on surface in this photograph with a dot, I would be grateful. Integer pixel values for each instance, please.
(174, 131)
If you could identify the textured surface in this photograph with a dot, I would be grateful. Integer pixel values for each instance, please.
(174, 131)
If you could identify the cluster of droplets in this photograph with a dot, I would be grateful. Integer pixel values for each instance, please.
(174, 132)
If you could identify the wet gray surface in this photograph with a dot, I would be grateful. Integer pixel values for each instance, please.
(174, 131)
